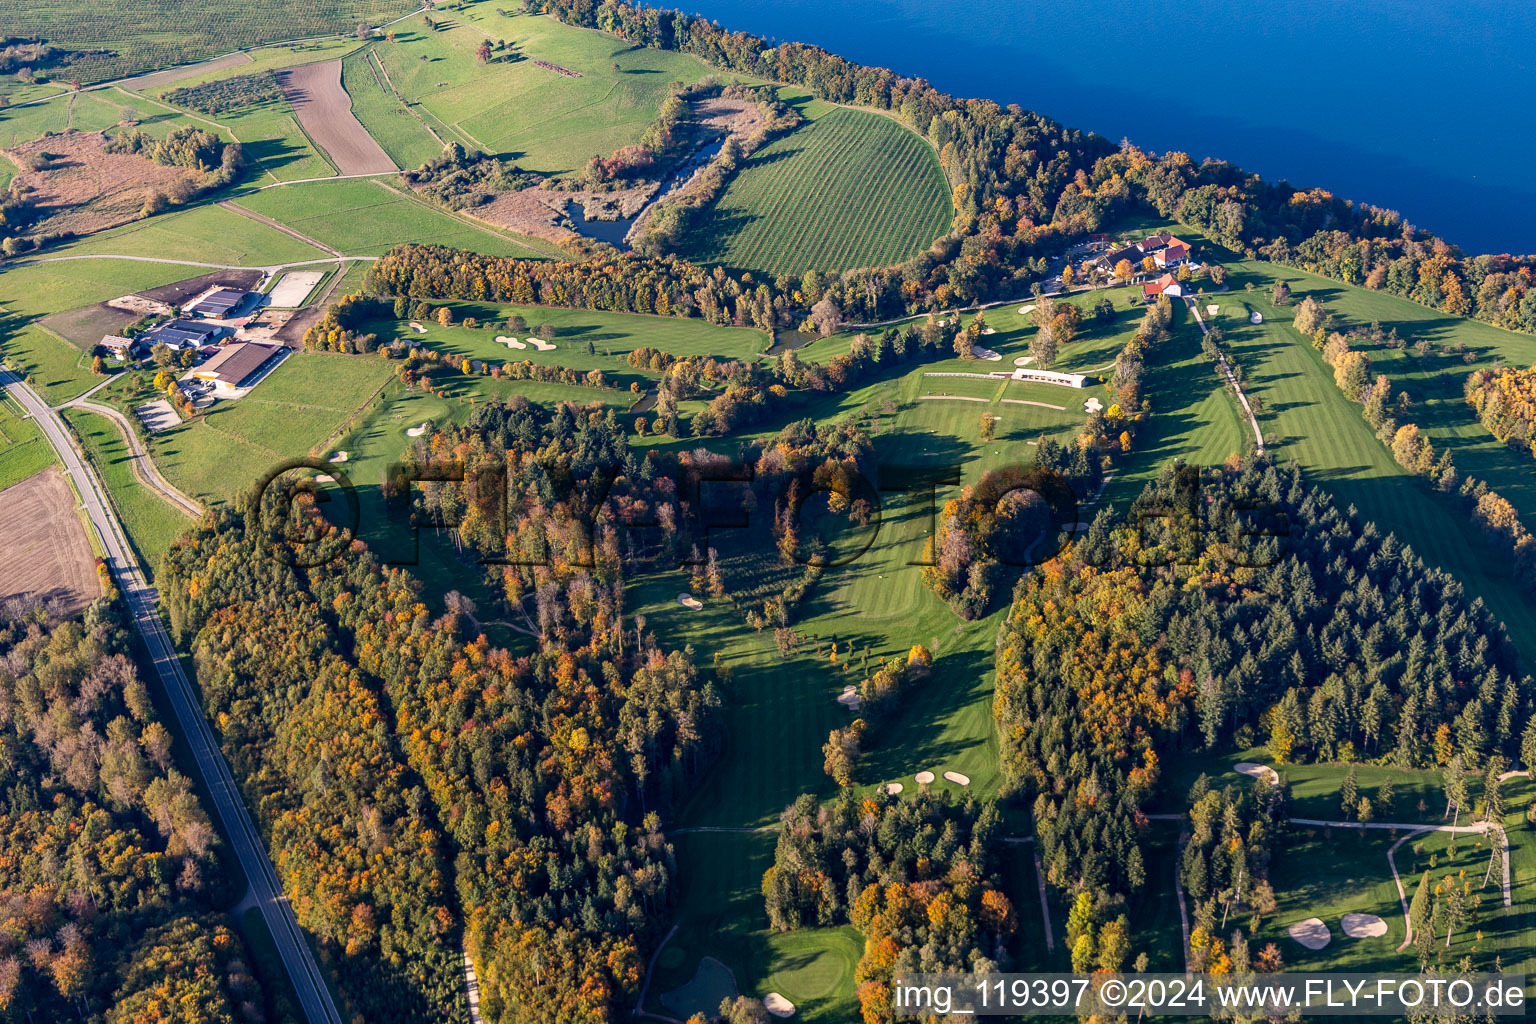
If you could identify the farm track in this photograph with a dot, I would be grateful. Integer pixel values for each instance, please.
(144, 467)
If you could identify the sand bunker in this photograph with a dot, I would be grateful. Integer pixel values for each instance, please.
(850, 698)
(1023, 360)
(989, 330)
(541, 344)
(1364, 926)
(778, 1005)
(1026, 310)
(1094, 405)
(1212, 310)
(502, 339)
(1256, 317)
(338, 457)
(418, 328)
(1257, 771)
(957, 778)
(894, 788)
(986, 354)
(923, 778)
(416, 431)
(690, 602)
(1311, 933)
(325, 478)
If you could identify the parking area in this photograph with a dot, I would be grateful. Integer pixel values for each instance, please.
(157, 416)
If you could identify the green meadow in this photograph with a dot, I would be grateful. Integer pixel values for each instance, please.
(152, 523)
(204, 234)
(23, 448)
(363, 217)
(401, 133)
(543, 120)
(307, 399)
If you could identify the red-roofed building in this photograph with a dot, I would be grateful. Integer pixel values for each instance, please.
(1165, 285)
(1172, 256)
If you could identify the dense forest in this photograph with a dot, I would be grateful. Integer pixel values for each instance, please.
(1023, 184)
(1505, 400)
(111, 885)
(914, 875)
(420, 788)
(1235, 606)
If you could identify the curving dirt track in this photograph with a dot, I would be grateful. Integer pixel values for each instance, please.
(44, 552)
(325, 111)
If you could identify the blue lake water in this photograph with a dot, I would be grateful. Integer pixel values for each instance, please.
(1418, 107)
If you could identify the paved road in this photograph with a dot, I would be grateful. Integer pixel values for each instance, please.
(314, 998)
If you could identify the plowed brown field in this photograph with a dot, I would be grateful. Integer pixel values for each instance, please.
(325, 111)
(44, 552)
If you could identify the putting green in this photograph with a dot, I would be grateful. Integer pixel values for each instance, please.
(811, 965)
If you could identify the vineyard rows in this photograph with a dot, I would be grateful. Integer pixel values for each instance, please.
(850, 189)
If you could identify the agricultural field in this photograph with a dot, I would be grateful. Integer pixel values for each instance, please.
(315, 93)
(24, 450)
(362, 217)
(850, 188)
(402, 133)
(45, 552)
(543, 120)
(122, 39)
(151, 522)
(203, 234)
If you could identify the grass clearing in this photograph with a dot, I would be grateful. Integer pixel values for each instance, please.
(303, 402)
(851, 188)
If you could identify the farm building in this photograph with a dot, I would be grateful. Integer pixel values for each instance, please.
(222, 303)
(1165, 285)
(239, 365)
(180, 334)
(1165, 248)
(121, 348)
